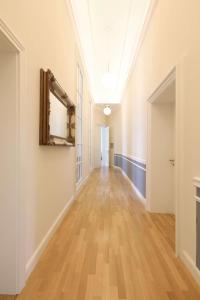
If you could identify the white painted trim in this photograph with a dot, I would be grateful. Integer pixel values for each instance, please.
(20, 98)
(139, 195)
(190, 264)
(196, 182)
(169, 79)
(138, 159)
(197, 199)
(163, 86)
(81, 184)
(119, 155)
(80, 49)
(179, 150)
(38, 252)
(78, 184)
(145, 26)
(148, 177)
(11, 36)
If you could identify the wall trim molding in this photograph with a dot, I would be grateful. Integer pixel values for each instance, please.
(139, 195)
(11, 36)
(132, 162)
(163, 86)
(79, 46)
(31, 264)
(149, 14)
(135, 171)
(81, 184)
(140, 160)
(191, 266)
(136, 158)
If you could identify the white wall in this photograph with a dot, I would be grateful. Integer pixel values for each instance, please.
(8, 172)
(46, 31)
(172, 39)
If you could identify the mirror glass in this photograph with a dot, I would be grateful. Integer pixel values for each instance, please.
(58, 118)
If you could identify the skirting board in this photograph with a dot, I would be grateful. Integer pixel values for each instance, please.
(190, 264)
(80, 186)
(37, 254)
(140, 197)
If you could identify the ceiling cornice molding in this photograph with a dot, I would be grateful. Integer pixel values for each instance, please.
(90, 21)
(78, 42)
(125, 37)
(147, 20)
(129, 38)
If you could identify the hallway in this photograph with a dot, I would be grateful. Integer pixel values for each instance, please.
(108, 247)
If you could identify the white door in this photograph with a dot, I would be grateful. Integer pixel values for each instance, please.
(105, 146)
(161, 152)
(9, 171)
(97, 146)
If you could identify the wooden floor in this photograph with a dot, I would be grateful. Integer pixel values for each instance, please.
(109, 248)
(165, 224)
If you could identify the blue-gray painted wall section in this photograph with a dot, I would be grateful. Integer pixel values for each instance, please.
(136, 171)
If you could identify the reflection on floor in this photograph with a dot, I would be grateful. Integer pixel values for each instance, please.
(109, 247)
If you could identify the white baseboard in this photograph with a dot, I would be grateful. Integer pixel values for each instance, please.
(191, 265)
(37, 254)
(81, 185)
(140, 196)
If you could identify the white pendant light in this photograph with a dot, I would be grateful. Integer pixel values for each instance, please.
(107, 110)
(108, 80)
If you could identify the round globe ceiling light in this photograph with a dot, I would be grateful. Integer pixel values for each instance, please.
(108, 80)
(107, 110)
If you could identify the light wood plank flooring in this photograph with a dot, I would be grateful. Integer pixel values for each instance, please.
(165, 224)
(109, 248)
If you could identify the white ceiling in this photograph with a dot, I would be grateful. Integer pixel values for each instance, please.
(109, 32)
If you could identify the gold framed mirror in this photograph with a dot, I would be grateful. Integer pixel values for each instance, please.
(57, 113)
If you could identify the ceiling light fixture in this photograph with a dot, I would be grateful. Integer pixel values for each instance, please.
(108, 80)
(107, 110)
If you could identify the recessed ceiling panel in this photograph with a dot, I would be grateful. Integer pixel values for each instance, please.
(109, 32)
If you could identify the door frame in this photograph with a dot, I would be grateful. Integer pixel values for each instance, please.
(20, 199)
(168, 80)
